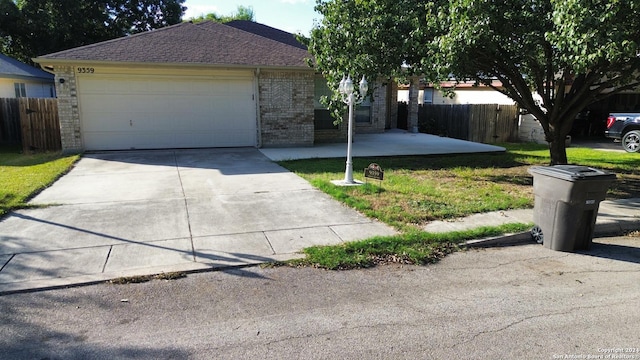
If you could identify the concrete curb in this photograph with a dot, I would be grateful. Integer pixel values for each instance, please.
(92, 279)
(524, 238)
(521, 238)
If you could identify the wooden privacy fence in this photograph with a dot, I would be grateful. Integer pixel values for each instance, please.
(31, 122)
(10, 133)
(485, 123)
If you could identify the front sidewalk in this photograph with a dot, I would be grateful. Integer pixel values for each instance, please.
(614, 217)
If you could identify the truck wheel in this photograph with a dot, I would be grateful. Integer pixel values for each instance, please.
(631, 141)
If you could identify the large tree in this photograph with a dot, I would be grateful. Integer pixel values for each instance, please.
(243, 13)
(10, 29)
(553, 57)
(375, 39)
(35, 27)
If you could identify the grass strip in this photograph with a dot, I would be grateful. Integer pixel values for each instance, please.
(417, 248)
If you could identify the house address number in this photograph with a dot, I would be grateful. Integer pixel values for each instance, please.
(86, 70)
(374, 171)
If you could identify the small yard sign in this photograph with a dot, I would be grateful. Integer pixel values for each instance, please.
(374, 171)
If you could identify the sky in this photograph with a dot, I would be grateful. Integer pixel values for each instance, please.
(294, 16)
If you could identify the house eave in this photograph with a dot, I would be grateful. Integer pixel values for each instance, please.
(47, 64)
(26, 77)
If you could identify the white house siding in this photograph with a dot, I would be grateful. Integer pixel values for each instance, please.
(463, 96)
(7, 89)
(33, 89)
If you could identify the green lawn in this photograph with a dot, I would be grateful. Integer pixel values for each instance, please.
(23, 176)
(420, 189)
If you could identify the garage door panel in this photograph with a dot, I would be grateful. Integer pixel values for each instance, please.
(106, 123)
(139, 113)
(191, 105)
(108, 140)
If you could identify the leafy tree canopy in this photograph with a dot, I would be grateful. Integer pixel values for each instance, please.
(366, 38)
(34, 27)
(553, 57)
(243, 13)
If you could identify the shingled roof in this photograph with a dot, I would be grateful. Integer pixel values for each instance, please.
(14, 69)
(207, 43)
(267, 31)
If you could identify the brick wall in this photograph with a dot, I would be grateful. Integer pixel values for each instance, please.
(70, 135)
(378, 112)
(286, 108)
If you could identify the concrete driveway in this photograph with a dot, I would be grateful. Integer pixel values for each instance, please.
(145, 212)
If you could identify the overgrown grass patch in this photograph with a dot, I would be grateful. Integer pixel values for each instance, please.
(23, 176)
(418, 248)
(417, 190)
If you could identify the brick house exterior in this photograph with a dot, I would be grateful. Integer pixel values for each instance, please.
(263, 63)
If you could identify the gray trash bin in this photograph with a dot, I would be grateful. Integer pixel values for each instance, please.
(567, 198)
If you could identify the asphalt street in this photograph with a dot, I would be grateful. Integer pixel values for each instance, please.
(516, 302)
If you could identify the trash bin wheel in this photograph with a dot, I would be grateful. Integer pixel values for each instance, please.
(536, 234)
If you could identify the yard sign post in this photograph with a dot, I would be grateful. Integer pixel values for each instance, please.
(350, 98)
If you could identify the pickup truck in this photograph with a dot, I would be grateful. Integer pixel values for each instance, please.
(626, 128)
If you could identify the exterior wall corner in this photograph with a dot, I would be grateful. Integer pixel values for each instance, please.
(68, 112)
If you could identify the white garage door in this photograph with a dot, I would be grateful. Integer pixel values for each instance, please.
(151, 112)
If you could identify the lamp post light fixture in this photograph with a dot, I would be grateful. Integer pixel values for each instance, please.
(350, 98)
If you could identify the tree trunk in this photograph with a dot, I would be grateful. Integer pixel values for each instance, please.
(558, 150)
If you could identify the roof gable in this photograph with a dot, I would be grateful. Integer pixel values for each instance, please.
(12, 68)
(207, 43)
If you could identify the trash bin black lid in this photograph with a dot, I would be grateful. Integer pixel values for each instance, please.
(572, 172)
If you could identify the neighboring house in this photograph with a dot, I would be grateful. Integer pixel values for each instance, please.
(195, 85)
(465, 93)
(18, 79)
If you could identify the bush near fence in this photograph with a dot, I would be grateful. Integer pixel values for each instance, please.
(30, 122)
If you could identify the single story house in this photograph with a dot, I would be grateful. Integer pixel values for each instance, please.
(18, 79)
(197, 85)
